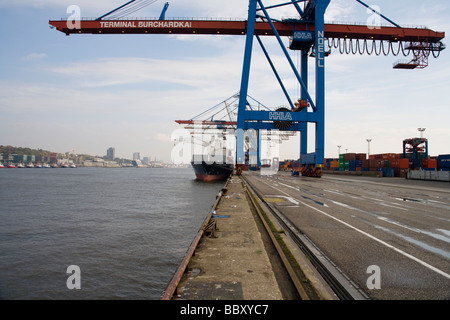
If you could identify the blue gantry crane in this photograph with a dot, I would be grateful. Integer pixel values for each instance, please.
(298, 117)
(307, 33)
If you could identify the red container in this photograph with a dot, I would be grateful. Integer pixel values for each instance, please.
(349, 156)
(389, 156)
(360, 156)
(399, 163)
(375, 163)
(429, 163)
(404, 163)
(395, 163)
(400, 172)
(365, 163)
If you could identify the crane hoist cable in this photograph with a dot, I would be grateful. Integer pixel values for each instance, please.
(127, 8)
(133, 8)
(368, 46)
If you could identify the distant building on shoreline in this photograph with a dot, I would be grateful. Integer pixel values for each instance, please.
(111, 153)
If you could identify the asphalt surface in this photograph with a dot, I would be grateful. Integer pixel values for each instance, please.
(390, 236)
(233, 264)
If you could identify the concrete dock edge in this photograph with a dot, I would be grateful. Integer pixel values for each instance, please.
(229, 258)
(230, 262)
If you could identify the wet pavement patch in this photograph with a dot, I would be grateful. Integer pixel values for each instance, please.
(204, 290)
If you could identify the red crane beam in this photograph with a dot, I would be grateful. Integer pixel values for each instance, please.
(239, 27)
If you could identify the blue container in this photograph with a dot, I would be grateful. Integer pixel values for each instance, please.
(417, 163)
(387, 172)
(308, 158)
(443, 161)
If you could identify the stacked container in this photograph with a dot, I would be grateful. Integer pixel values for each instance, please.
(331, 164)
(400, 166)
(429, 164)
(443, 162)
(351, 161)
(390, 164)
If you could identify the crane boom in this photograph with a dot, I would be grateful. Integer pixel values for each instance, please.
(239, 27)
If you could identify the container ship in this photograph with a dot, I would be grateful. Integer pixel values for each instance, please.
(212, 172)
(209, 131)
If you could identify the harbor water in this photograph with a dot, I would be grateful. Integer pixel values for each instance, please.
(127, 229)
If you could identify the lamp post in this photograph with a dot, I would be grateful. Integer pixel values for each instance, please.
(421, 130)
(368, 147)
(339, 150)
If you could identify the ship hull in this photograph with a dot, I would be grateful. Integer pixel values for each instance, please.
(212, 172)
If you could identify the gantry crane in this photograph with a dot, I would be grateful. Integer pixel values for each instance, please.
(220, 122)
(307, 33)
(415, 146)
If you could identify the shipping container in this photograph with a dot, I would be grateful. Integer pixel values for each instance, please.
(443, 161)
(387, 172)
(415, 163)
(333, 165)
(401, 172)
(385, 156)
(349, 156)
(354, 165)
(352, 156)
(375, 163)
(308, 158)
(429, 163)
(391, 156)
(399, 163)
(295, 164)
(361, 156)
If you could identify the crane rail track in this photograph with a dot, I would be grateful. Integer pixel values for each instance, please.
(343, 287)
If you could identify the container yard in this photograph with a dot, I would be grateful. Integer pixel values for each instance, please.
(413, 163)
(382, 165)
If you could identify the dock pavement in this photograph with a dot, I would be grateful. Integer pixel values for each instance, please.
(233, 263)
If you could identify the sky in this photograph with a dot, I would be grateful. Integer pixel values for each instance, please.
(90, 92)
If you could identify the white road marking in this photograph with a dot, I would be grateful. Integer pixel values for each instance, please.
(429, 266)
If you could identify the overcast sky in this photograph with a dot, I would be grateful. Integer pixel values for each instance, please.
(91, 92)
